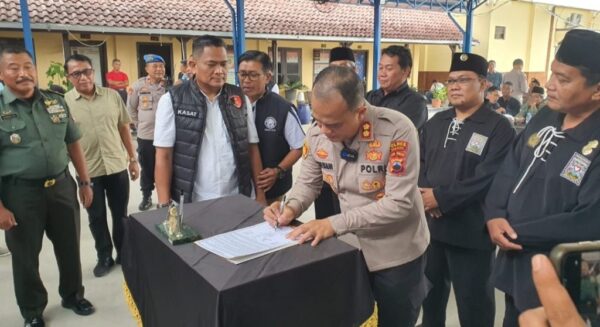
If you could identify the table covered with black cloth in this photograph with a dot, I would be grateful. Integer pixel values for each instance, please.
(185, 285)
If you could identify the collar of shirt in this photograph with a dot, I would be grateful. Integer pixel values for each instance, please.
(399, 90)
(9, 97)
(98, 91)
(480, 116)
(582, 131)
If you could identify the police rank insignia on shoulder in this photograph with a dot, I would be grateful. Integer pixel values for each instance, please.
(589, 148)
(476, 143)
(576, 168)
(236, 100)
(366, 131)
(533, 140)
(397, 161)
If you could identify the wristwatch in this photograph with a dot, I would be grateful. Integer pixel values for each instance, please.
(280, 172)
(132, 160)
(85, 183)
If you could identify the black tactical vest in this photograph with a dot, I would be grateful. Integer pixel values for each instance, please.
(189, 107)
(271, 114)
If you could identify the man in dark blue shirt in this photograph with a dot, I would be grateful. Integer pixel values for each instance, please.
(508, 104)
(546, 191)
(394, 69)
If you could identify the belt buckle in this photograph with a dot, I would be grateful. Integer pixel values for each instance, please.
(49, 182)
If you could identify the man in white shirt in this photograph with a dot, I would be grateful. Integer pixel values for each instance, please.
(518, 80)
(205, 137)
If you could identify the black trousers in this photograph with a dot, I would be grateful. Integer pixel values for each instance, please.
(38, 210)
(399, 292)
(469, 272)
(113, 189)
(327, 203)
(511, 313)
(146, 157)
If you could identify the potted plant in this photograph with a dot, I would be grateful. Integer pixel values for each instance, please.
(439, 95)
(291, 89)
(57, 76)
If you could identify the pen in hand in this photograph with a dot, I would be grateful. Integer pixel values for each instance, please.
(281, 207)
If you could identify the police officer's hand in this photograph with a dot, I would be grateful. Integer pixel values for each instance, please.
(435, 213)
(134, 170)
(86, 194)
(429, 200)
(275, 218)
(557, 307)
(500, 231)
(315, 230)
(267, 178)
(7, 219)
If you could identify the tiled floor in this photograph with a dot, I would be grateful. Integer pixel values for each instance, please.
(106, 292)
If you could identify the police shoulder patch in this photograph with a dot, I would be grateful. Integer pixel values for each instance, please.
(397, 159)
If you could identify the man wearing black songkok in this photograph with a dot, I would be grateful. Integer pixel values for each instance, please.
(461, 150)
(546, 191)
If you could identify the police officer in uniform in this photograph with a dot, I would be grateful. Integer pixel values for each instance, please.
(142, 104)
(279, 130)
(461, 150)
(546, 191)
(37, 193)
(370, 158)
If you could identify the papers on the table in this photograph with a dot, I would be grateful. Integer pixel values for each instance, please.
(248, 243)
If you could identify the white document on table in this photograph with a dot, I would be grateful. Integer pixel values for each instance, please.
(248, 243)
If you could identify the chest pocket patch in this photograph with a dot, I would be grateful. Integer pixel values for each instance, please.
(476, 144)
(576, 168)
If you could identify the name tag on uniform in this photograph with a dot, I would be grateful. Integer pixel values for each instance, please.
(477, 143)
(56, 109)
(576, 168)
(187, 113)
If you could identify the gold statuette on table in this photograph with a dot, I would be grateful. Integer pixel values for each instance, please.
(173, 227)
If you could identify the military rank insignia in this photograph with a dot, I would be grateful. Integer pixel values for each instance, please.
(589, 148)
(576, 168)
(236, 100)
(397, 161)
(366, 131)
(476, 143)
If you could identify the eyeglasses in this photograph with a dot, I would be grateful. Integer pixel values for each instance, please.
(77, 74)
(462, 81)
(251, 76)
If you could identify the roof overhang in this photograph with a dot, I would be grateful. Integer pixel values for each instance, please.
(50, 27)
